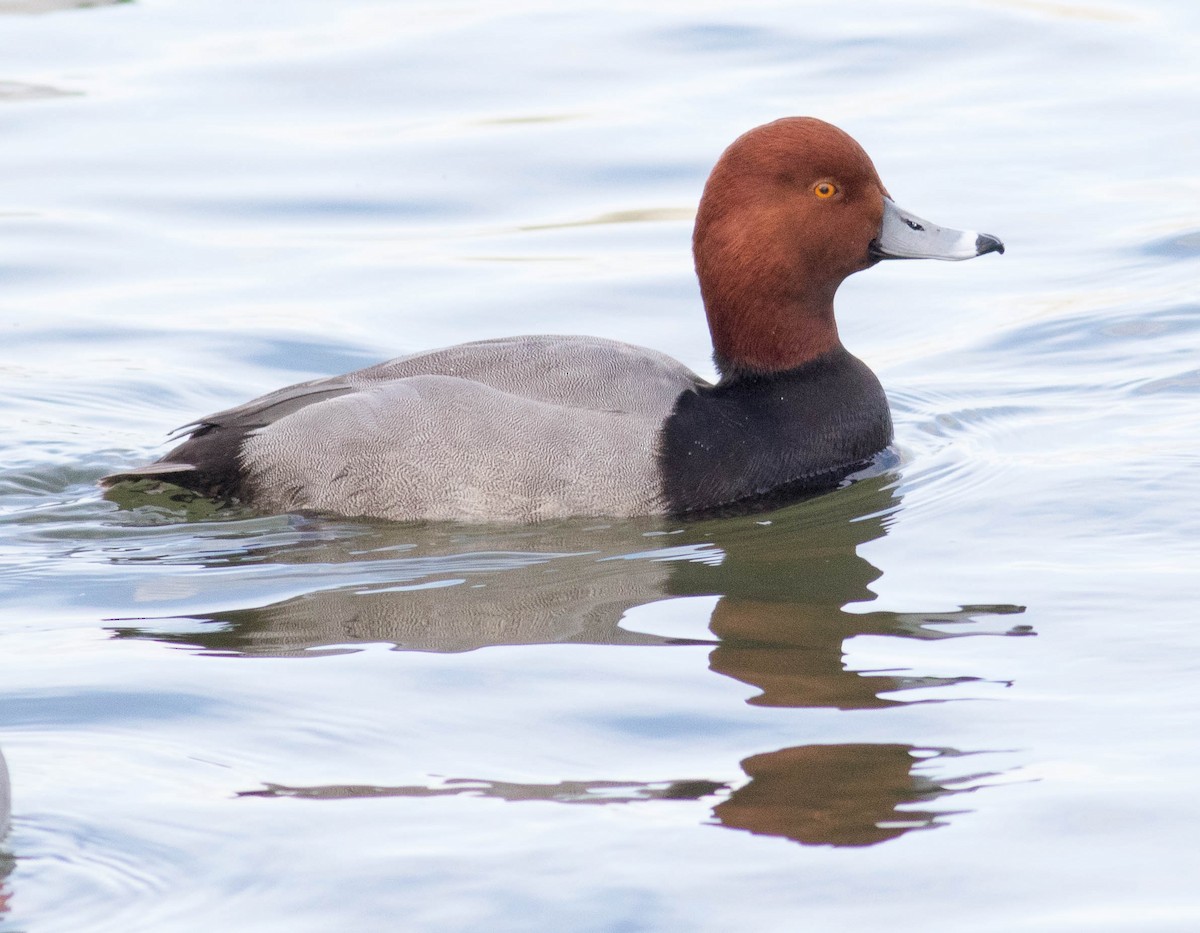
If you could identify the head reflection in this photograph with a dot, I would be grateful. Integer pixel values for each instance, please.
(839, 795)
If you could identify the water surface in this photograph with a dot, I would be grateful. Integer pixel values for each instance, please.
(959, 694)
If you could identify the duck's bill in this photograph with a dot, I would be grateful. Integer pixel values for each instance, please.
(906, 236)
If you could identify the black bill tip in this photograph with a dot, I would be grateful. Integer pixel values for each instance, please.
(986, 243)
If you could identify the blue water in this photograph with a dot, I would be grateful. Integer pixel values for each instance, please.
(959, 695)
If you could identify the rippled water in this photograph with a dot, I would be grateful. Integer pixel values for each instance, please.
(829, 717)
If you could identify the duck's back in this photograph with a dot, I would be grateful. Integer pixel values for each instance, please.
(521, 428)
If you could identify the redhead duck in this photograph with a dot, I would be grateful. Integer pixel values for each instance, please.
(530, 428)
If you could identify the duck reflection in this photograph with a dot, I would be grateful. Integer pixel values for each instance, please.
(785, 584)
(834, 795)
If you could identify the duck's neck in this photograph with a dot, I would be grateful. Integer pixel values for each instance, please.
(767, 312)
(764, 334)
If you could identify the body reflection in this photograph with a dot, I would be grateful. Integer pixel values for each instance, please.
(783, 583)
(563, 792)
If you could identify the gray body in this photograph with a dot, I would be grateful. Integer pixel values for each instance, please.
(515, 429)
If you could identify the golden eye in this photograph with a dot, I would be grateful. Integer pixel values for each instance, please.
(825, 189)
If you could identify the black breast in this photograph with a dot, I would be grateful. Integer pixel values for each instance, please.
(760, 441)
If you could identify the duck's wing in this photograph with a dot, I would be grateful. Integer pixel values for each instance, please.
(578, 372)
(268, 408)
(216, 439)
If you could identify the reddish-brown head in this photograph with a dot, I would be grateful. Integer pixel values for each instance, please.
(789, 211)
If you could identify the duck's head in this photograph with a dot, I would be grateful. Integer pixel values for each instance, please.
(790, 209)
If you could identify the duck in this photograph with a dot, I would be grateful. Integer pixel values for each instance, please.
(533, 428)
